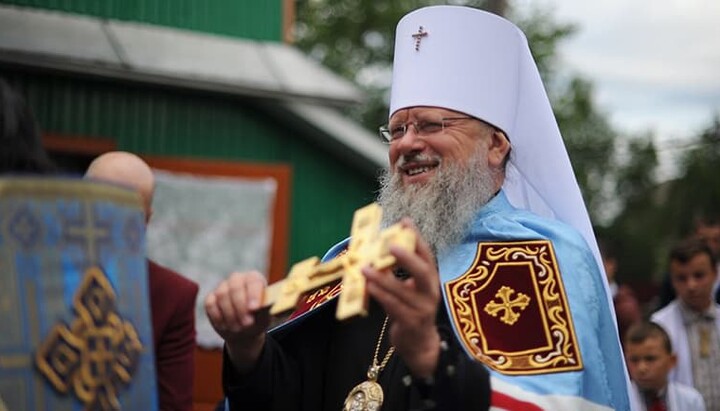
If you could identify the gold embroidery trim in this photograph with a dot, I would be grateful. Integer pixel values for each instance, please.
(97, 354)
(561, 353)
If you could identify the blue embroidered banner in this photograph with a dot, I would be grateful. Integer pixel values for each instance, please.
(74, 304)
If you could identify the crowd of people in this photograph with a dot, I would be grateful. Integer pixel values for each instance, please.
(503, 303)
(686, 310)
(672, 351)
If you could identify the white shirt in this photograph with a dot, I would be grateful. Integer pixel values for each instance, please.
(679, 397)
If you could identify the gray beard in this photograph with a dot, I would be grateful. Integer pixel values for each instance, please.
(443, 208)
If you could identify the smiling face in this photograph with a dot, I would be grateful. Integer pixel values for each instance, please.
(442, 176)
(417, 156)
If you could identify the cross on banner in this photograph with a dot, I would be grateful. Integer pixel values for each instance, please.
(88, 229)
(368, 245)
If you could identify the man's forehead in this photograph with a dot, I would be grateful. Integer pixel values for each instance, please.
(712, 229)
(653, 341)
(422, 111)
(700, 258)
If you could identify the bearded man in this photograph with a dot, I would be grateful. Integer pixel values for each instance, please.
(501, 289)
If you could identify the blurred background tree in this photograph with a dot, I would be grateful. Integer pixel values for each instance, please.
(696, 191)
(617, 171)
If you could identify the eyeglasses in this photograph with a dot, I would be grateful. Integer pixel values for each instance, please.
(422, 128)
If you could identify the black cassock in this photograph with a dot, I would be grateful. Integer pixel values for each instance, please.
(314, 364)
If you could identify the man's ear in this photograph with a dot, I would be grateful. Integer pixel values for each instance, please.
(498, 149)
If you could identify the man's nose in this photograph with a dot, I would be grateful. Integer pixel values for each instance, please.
(411, 138)
(693, 284)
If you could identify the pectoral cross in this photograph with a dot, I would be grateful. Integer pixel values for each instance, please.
(368, 246)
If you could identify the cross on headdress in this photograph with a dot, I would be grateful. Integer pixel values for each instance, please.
(418, 37)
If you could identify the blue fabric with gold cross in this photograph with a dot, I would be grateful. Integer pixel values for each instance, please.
(74, 301)
(526, 298)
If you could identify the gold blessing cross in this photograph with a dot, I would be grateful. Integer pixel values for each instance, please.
(368, 245)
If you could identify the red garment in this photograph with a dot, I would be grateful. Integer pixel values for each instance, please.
(658, 404)
(627, 309)
(172, 302)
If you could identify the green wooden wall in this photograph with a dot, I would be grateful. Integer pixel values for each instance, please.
(170, 122)
(250, 19)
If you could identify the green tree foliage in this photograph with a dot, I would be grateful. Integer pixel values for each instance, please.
(635, 231)
(696, 191)
(635, 182)
(591, 144)
(654, 216)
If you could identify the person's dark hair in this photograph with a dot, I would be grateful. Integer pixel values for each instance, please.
(706, 219)
(641, 331)
(22, 150)
(685, 250)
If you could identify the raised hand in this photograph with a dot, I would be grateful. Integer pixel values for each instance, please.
(411, 304)
(234, 312)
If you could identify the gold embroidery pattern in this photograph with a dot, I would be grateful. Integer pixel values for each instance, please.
(97, 355)
(323, 295)
(559, 351)
(507, 305)
(327, 293)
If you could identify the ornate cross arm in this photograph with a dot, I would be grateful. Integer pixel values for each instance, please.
(368, 246)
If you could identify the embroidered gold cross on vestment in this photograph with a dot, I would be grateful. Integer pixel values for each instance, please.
(507, 305)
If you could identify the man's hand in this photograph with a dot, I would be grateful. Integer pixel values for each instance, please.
(411, 305)
(233, 312)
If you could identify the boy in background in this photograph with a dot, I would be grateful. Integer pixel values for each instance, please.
(649, 357)
(692, 319)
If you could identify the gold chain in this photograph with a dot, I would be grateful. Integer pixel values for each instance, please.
(368, 395)
(375, 368)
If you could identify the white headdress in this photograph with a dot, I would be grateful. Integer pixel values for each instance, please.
(477, 63)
